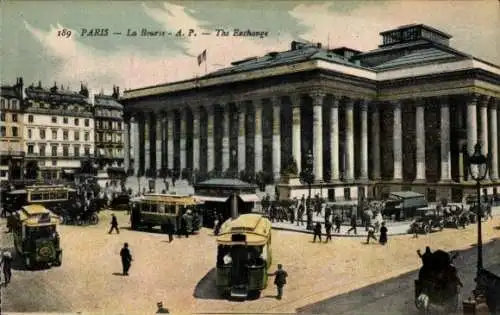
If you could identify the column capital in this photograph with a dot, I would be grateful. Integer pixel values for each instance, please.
(419, 101)
(483, 100)
(317, 94)
(363, 104)
(494, 103)
(276, 100)
(396, 104)
(472, 97)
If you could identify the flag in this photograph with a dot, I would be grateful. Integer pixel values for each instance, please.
(202, 57)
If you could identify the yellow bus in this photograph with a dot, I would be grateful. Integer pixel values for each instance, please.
(244, 256)
(152, 210)
(47, 195)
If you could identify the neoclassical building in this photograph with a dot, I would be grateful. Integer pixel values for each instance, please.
(398, 117)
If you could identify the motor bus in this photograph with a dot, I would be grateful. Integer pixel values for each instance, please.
(50, 196)
(244, 256)
(152, 210)
(36, 238)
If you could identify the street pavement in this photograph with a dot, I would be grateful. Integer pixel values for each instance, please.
(396, 295)
(181, 274)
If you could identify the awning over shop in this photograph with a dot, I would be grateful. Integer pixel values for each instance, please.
(211, 199)
(249, 197)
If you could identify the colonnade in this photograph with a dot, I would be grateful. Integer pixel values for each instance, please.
(481, 128)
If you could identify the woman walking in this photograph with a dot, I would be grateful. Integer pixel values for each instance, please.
(383, 234)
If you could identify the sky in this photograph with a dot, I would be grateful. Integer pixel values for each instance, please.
(32, 44)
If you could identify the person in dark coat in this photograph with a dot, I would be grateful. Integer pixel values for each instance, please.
(338, 222)
(371, 234)
(328, 228)
(280, 276)
(354, 225)
(317, 232)
(114, 224)
(126, 259)
(300, 215)
(170, 231)
(7, 267)
(328, 213)
(383, 234)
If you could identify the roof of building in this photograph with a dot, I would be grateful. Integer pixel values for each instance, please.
(106, 101)
(432, 54)
(424, 26)
(308, 52)
(8, 92)
(39, 93)
(225, 182)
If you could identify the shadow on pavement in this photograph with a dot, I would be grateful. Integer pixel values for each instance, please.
(118, 274)
(206, 288)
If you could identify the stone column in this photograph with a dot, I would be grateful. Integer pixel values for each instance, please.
(397, 142)
(226, 153)
(182, 142)
(126, 144)
(483, 138)
(445, 141)
(210, 138)
(196, 139)
(317, 98)
(349, 134)
(170, 140)
(334, 141)
(276, 144)
(471, 123)
(136, 148)
(296, 131)
(159, 133)
(375, 141)
(258, 136)
(364, 140)
(147, 142)
(494, 139)
(242, 152)
(420, 139)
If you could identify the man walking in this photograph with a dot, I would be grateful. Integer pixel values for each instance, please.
(7, 267)
(114, 225)
(353, 225)
(338, 223)
(300, 215)
(170, 230)
(279, 280)
(328, 228)
(371, 234)
(317, 232)
(126, 259)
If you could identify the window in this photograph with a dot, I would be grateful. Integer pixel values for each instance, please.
(99, 137)
(86, 122)
(42, 133)
(3, 173)
(54, 119)
(119, 125)
(3, 131)
(14, 132)
(30, 118)
(2, 104)
(77, 150)
(77, 135)
(86, 136)
(54, 134)
(2, 116)
(65, 150)
(347, 193)
(87, 150)
(54, 151)
(77, 121)
(30, 133)
(31, 149)
(14, 117)
(54, 162)
(65, 134)
(65, 120)
(42, 149)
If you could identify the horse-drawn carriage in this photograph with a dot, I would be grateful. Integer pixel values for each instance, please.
(438, 285)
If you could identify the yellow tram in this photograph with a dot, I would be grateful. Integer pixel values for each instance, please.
(244, 256)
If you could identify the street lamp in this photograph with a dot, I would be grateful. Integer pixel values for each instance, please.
(308, 177)
(478, 169)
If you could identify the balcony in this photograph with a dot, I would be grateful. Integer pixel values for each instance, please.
(14, 153)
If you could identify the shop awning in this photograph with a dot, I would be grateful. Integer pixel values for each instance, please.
(249, 197)
(211, 199)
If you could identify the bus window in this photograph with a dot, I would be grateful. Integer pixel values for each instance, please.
(161, 208)
(35, 197)
(170, 209)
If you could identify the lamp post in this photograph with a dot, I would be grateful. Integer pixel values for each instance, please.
(308, 177)
(478, 169)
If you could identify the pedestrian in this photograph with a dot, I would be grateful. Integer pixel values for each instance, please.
(4, 212)
(317, 232)
(328, 213)
(161, 309)
(291, 212)
(114, 224)
(184, 226)
(371, 234)
(280, 276)
(7, 267)
(328, 228)
(170, 230)
(126, 259)
(216, 225)
(383, 234)
(300, 215)
(167, 186)
(338, 222)
(354, 225)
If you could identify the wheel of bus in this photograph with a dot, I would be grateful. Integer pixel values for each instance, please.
(58, 261)
(427, 229)
(94, 219)
(150, 227)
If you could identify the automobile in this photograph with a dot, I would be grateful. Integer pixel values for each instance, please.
(36, 238)
(427, 221)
